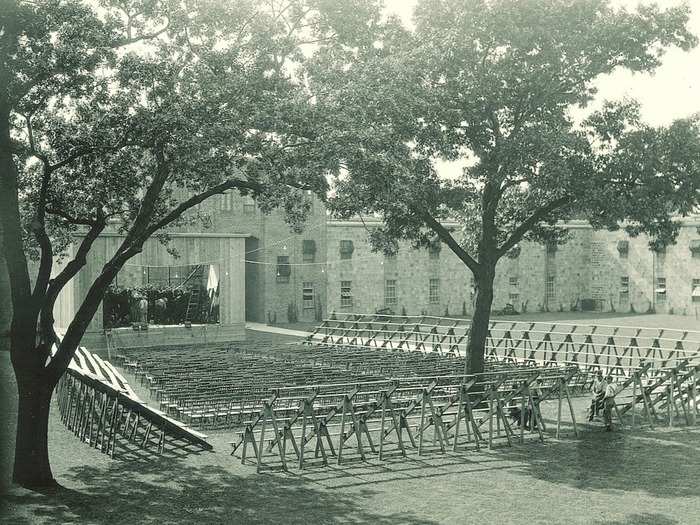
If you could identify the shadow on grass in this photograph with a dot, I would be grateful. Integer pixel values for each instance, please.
(641, 519)
(173, 492)
(662, 464)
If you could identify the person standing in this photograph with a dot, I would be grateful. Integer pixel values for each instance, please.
(609, 402)
(143, 309)
(598, 394)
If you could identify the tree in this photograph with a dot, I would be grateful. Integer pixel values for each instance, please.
(493, 83)
(126, 116)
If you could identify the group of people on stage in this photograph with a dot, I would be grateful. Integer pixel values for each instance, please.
(603, 393)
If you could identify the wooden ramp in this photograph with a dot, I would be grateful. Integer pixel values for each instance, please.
(97, 404)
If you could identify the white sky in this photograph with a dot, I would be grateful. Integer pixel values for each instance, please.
(672, 92)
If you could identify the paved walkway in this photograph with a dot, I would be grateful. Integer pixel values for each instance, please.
(259, 327)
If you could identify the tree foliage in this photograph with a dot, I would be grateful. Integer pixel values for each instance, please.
(493, 83)
(126, 115)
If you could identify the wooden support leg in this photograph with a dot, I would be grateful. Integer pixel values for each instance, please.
(277, 433)
(302, 442)
(534, 419)
(490, 415)
(669, 414)
(500, 414)
(634, 400)
(559, 404)
(111, 434)
(381, 427)
(460, 408)
(341, 440)
(363, 425)
(324, 432)
(404, 425)
(144, 443)
(439, 427)
(477, 433)
(422, 423)
(522, 415)
(693, 397)
(357, 430)
(571, 409)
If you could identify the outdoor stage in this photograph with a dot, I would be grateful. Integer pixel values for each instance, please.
(158, 335)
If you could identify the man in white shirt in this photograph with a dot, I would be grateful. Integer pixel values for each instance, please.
(598, 393)
(610, 392)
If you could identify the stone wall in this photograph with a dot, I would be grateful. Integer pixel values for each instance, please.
(269, 296)
(586, 271)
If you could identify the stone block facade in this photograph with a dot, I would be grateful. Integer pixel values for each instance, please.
(601, 270)
(271, 294)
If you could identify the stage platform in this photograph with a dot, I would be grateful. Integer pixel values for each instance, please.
(159, 335)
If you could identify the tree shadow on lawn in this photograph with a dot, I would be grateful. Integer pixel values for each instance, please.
(173, 492)
(641, 519)
(661, 463)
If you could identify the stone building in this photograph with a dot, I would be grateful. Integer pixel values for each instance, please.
(593, 270)
(270, 274)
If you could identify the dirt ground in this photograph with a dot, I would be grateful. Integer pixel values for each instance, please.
(623, 477)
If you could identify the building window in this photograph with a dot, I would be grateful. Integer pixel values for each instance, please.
(346, 249)
(390, 292)
(513, 281)
(308, 250)
(660, 289)
(307, 295)
(434, 291)
(346, 294)
(513, 298)
(284, 270)
(434, 250)
(624, 289)
(695, 291)
(226, 201)
(248, 205)
(549, 290)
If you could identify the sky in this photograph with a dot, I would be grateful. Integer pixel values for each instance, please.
(672, 92)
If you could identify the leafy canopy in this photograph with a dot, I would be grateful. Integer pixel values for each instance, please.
(493, 82)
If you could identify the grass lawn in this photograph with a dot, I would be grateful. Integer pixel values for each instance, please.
(641, 477)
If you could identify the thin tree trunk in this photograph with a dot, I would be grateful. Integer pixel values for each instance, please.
(476, 344)
(32, 468)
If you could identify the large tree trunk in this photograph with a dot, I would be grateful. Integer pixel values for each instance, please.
(32, 469)
(476, 344)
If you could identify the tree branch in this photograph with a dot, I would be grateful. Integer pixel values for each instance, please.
(70, 218)
(39, 229)
(69, 271)
(539, 215)
(148, 36)
(176, 212)
(447, 238)
(147, 208)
